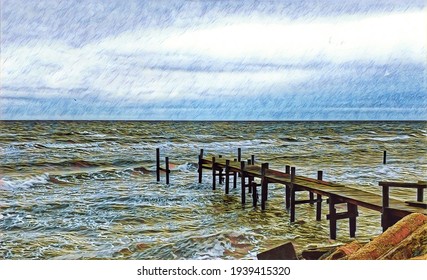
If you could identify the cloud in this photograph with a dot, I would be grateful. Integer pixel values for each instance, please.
(233, 58)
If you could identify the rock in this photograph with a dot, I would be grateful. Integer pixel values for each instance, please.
(412, 246)
(343, 252)
(390, 238)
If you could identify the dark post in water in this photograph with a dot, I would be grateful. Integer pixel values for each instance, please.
(167, 170)
(242, 175)
(227, 176)
(213, 174)
(292, 194)
(200, 166)
(319, 198)
(385, 157)
(158, 164)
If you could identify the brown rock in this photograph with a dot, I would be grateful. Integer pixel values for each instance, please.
(390, 238)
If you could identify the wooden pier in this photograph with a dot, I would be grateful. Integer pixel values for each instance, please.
(391, 209)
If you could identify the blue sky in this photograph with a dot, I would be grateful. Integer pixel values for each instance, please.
(213, 60)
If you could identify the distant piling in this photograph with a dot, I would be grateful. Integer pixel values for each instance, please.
(167, 170)
(158, 164)
(385, 157)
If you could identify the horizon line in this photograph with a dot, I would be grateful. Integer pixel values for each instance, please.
(168, 120)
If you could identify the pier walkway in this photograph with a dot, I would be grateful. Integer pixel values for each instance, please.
(391, 209)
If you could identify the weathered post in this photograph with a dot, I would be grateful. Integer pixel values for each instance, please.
(227, 176)
(254, 194)
(213, 174)
(352, 210)
(287, 189)
(253, 159)
(239, 154)
(385, 157)
(200, 166)
(264, 185)
(267, 165)
(235, 177)
(332, 218)
(292, 190)
(242, 175)
(167, 170)
(158, 164)
(319, 198)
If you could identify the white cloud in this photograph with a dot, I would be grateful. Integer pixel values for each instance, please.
(125, 66)
(342, 39)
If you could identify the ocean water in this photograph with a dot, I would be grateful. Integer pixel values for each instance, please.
(87, 189)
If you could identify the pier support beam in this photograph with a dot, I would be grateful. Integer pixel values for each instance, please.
(200, 169)
(167, 170)
(264, 185)
(227, 176)
(288, 189)
(235, 177)
(254, 194)
(292, 193)
(319, 198)
(332, 218)
(213, 174)
(158, 164)
(352, 212)
(242, 181)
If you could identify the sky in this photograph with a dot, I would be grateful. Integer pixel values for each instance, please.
(213, 60)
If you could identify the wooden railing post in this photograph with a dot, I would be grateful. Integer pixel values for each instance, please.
(239, 154)
(292, 192)
(200, 166)
(332, 218)
(242, 179)
(287, 189)
(264, 185)
(167, 170)
(227, 178)
(213, 174)
(319, 198)
(235, 177)
(158, 164)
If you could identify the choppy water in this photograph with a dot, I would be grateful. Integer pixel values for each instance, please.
(69, 190)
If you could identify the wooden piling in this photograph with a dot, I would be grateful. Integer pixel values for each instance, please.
(266, 165)
(253, 159)
(227, 176)
(242, 181)
(158, 164)
(420, 194)
(254, 194)
(287, 189)
(213, 174)
(332, 218)
(319, 198)
(167, 170)
(292, 193)
(352, 211)
(239, 154)
(264, 185)
(235, 178)
(200, 170)
(385, 157)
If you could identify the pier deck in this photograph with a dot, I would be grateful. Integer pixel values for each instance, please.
(391, 209)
